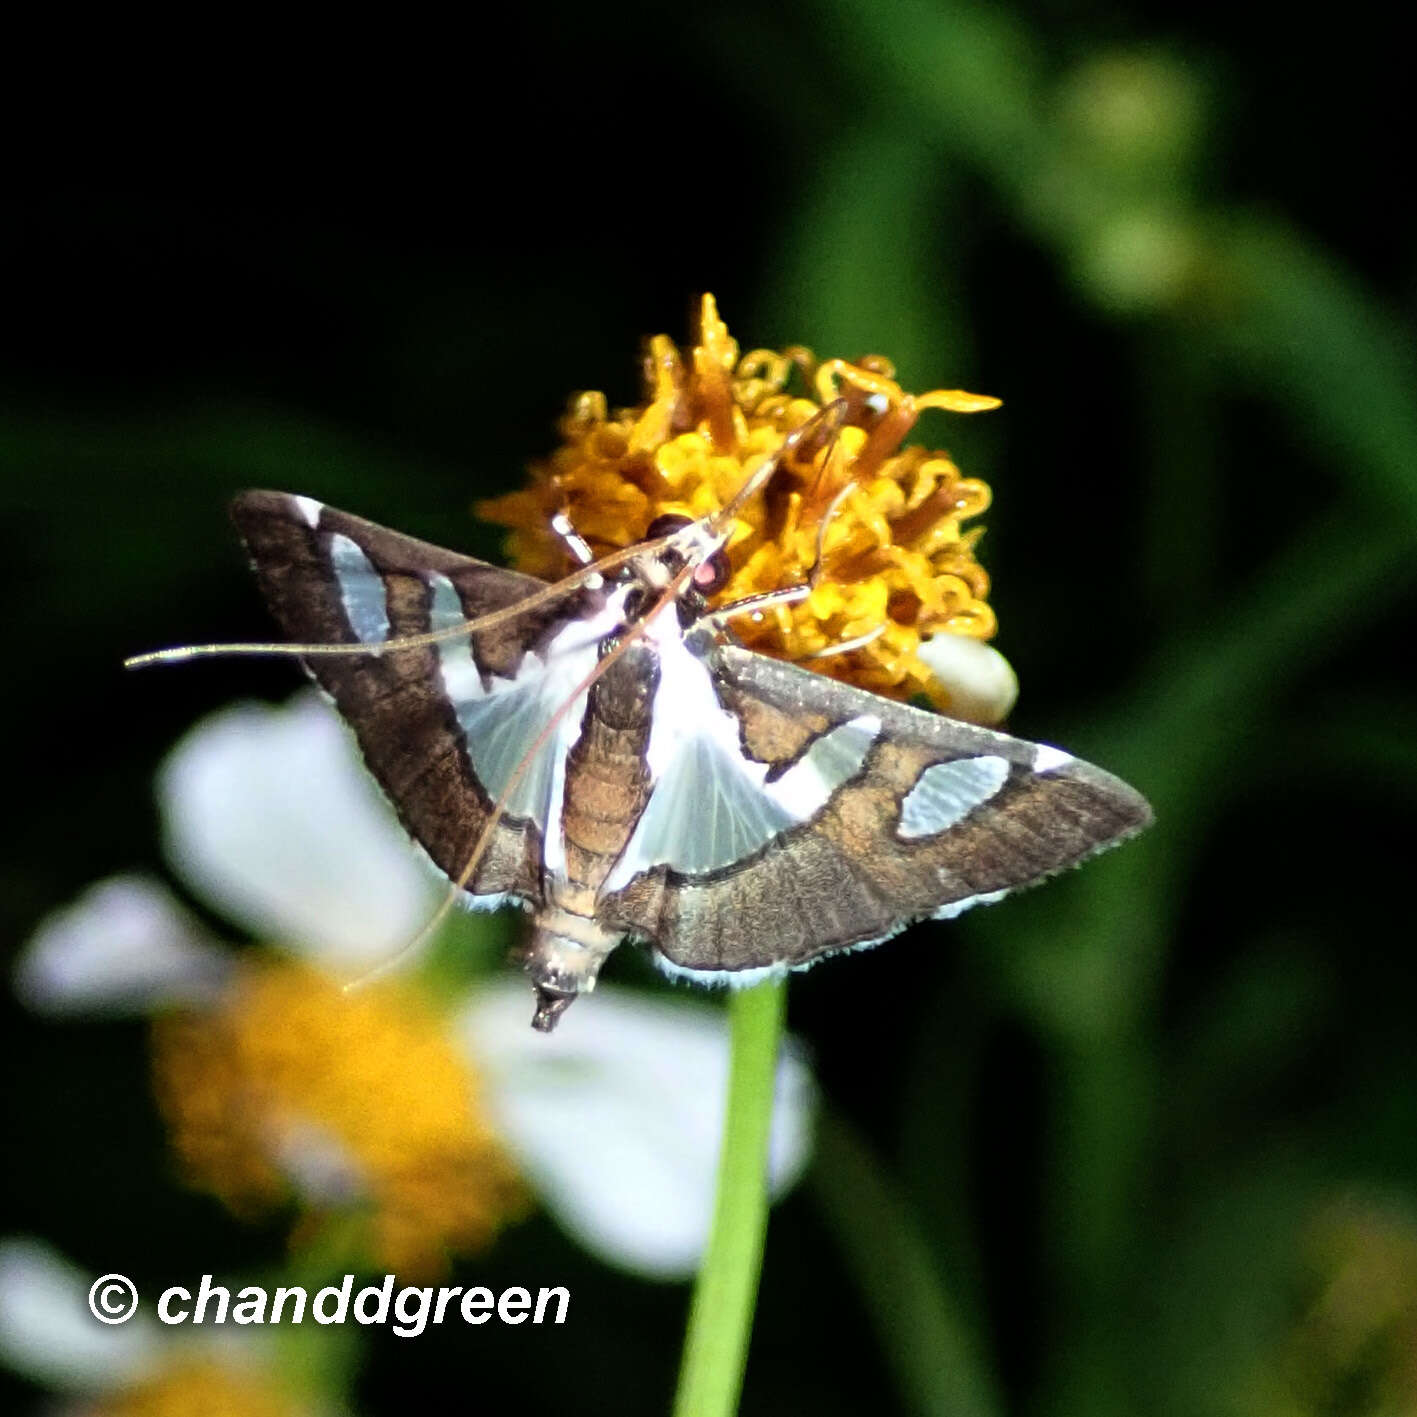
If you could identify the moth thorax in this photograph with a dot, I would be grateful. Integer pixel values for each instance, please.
(563, 958)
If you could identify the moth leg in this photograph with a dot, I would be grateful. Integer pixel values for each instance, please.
(756, 604)
(843, 646)
(788, 595)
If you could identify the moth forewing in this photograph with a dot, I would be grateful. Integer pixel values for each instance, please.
(329, 577)
(940, 815)
(610, 763)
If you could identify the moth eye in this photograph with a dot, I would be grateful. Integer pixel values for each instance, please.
(713, 575)
(665, 524)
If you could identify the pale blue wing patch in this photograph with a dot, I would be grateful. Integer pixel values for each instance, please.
(835, 758)
(361, 589)
(711, 805)
(946, 793)
(502, 719)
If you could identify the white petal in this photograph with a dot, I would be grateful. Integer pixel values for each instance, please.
(270, 817)
(981, 683)
(124, 945)
(48, 1333)
(616, 1117)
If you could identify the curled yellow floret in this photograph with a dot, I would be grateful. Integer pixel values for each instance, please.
(350, 1106)
(898, 564)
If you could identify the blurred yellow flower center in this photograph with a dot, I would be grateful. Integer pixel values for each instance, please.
(897, 565)
(201, 1389)
(351, 1104)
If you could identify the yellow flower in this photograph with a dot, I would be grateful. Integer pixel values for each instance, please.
(898, 565)
(202, 1387)
(361, 1099)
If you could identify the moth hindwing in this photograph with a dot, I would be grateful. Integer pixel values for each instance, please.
(739, 814)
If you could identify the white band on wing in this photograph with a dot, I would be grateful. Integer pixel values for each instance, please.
(711, 805)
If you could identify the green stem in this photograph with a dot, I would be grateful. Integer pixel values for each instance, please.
(721, 1312)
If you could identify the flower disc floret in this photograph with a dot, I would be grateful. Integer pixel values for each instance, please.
(898, 564)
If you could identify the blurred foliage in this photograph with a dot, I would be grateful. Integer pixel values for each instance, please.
(1143, 1140)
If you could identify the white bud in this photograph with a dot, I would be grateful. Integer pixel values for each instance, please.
(979, 682)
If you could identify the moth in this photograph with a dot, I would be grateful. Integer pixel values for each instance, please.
(608, 758)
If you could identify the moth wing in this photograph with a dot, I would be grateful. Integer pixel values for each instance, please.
(937, 816)
(333, 578)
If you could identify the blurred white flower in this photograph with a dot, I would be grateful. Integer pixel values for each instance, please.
(124, 945)
(616, 1121)
(269, 818)
(48, 1334)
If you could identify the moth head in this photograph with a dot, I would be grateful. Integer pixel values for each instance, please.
(691, 544)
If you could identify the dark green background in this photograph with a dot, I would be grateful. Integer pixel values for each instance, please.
(1079, 1136)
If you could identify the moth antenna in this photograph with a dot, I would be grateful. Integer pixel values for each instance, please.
(484, 839)
(826, 423)
(834, 454)
(180, 654)
(833, 507)
(587, 575)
